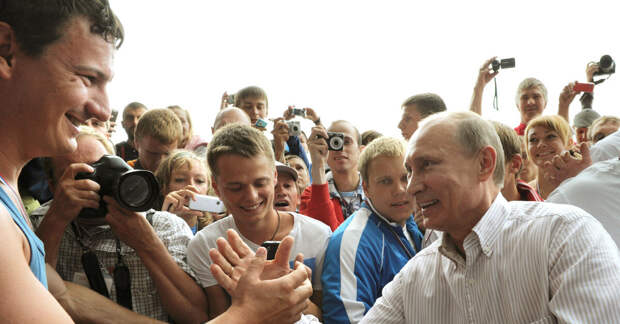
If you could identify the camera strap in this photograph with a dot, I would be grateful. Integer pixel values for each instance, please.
(91, 265)
(495, 97)
(122, 279)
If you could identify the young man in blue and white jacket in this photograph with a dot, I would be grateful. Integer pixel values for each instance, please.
(371, 246)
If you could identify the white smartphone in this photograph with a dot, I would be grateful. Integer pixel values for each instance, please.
(207, 203)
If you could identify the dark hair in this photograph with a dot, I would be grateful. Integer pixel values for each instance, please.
(39, 23)
(426, 103)
(369, 136)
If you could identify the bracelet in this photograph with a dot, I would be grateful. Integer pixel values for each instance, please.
(318, 121)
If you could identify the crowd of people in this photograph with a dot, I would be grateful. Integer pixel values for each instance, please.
(461, 220)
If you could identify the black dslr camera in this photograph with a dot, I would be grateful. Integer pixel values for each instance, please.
(503, 63)
(135, 190)
(335, 141)
(606, 66)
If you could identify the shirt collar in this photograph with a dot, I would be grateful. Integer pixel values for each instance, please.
(333, 191)
(488, 228)
(486, 231)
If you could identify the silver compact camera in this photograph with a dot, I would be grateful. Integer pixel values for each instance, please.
(335, 141)
(294, 128)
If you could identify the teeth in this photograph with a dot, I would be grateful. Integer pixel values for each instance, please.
(428, 204)
(253, 207)
(74, 121)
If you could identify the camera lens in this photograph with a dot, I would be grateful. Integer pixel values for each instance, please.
(134, 190)
(336, 143)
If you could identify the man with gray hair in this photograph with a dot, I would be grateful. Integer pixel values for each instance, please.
(495, 261)
(531, 96)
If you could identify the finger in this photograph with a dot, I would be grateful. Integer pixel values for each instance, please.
(299, 258)
(227, 252)
(226, 282)
(585, 153)
(237, 243)
(220, 260)
(283, 252)
(558, 163)
(75, 168)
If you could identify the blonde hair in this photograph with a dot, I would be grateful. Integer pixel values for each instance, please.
(190, 131)
(602, 121)
(177, 160)
(48, 167)
(162, 124)
(383, 146)
(551, 122)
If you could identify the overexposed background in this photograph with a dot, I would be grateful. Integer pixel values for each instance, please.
(356, 60)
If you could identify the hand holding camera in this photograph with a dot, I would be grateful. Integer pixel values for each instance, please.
(72, 195)
(486, 73)
(177, 202)
(227, 100)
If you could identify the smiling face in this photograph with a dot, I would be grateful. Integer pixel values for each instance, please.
(409, 121)
(345, 160)
(442, 178)
(543, 144)
(191, 173)
(246, 186)
(387, 188)
(531, 104)
(56, 92)
(286, 193)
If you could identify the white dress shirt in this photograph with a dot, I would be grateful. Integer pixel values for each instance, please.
(597, 191)
(526, 262)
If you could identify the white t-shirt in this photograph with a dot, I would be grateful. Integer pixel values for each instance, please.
(597, 191)
(311, 239)
(607, 148)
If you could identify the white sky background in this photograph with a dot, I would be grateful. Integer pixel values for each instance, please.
(356, 60)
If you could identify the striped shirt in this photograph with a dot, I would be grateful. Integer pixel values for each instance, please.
(525, 262)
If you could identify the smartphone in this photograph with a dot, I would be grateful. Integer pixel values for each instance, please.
(583, 87)
(272, 247)
(114, 115)
(207, 203)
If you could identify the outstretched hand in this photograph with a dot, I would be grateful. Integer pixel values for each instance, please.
(259, 288)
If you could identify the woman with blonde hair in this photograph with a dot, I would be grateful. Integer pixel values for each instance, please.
(546, 137)
(182, 175)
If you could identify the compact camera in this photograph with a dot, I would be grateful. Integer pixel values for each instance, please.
(606, 66)
(335, 141)
(135, 190)
(294, 128)
(261, 123)
(299, 112)
(231, 99)
(207, 203)
(503, 63)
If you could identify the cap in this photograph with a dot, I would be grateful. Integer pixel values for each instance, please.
(585, 118)
(283, 168)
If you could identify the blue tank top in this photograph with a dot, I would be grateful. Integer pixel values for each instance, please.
(37, 251)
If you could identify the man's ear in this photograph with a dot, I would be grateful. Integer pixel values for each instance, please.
(7, 49)
(487, 159)
(516, 164)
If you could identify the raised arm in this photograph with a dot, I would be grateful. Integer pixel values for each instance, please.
(485, 74)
